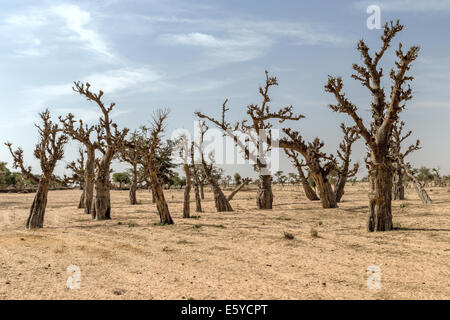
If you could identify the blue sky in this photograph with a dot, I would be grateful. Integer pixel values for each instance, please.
(191, 55)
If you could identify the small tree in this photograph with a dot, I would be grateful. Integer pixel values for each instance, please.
(384, 115)
(121, 178)
(109, 141)
(78, 175)
(48, 151)
(237, 179)
(299, 165)
(7, 178)
(345, 150)
(130, 155)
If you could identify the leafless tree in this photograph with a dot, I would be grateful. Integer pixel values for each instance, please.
(255, 130)
(401, 166)
(78, 174)
(299, 165)
(196, 174)
(109, 141)
(345, 150)
(147, 145)
(238, 188)
(221, 202)
(81, 132)
(384, 115)
(48, 151)
(130, 155)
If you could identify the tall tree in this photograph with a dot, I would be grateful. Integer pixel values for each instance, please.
(384, 115)
(255, 130)
(109, 141)
(48, 151)
(81, 132)
(221, 202)
(195, 174)
(184, 149)
(147, 145)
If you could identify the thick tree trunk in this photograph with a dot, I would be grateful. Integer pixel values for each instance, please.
(309, 192)
(340, 187)
(398, 190)
(36, 216)
(264, 198)
(380, 198)
(237, 189)
(326, 193)
(198, 202)
(89, 178)
(423, 195)
(81, 203)
(133, 186)
(101, 205)
(221, 202)
(187, 192)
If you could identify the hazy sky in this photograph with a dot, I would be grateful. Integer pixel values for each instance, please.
(191, 55)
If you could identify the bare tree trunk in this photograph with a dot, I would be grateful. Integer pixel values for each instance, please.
(198, 203)
(326, 192)
(264, 198)
(187, 191)
(101, 205)
(309, 192)
(221, 202)
(237, 189)
(380, 198)
(202, 191)
(423, 195)
(89, 178)
(398, 190)
(161, 203)
(81, 203)
(36, 217)
(133, 186)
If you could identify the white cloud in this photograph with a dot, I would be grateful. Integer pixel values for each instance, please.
(76, 21)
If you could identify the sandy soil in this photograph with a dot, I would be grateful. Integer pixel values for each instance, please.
(239, 255)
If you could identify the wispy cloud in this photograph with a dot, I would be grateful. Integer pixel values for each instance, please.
(58, 24)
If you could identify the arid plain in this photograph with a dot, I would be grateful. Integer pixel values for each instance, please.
(238, 255)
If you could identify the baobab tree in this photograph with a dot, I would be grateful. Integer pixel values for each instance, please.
(221, 202)
(255, 131)
(345, 150)
(384, 116)
(78, 169)
(48, 151)
(130, 155)
(147, 144)
(299, 164)
(401, 166)
(81, 132)
(109, 141)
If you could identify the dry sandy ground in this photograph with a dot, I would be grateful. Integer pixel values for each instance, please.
(237, 255)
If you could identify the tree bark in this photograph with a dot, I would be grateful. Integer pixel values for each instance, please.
(398, 190)
(161, 203)
(423, 195)
(380, 198)
(264, 198)
(89, 178)
(36, 216)
(101, 205)
(221, 202)
(309, 192)
(326, 193)
(81, 203)
(202, 191)
(133, 186)
(187, 191)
